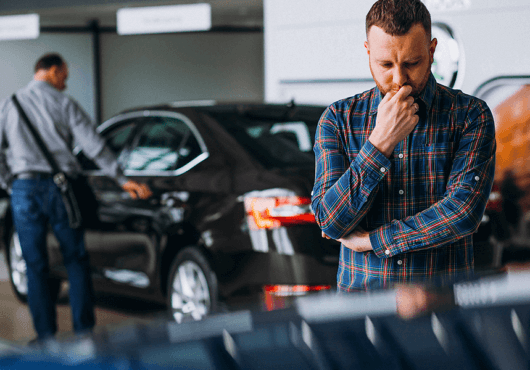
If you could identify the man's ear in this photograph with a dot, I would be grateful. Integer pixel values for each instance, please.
(432, 49)
(367, 47)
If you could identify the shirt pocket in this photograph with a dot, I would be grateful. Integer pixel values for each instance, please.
(437, 164)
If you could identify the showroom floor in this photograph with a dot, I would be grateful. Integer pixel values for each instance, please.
(15, 319)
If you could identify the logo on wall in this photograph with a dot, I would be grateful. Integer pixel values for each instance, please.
(448, 65)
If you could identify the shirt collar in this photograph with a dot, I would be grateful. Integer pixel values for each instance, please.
(41, 85)
(426, 96)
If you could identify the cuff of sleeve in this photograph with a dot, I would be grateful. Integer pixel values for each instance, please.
(373, 161)
(382, 240)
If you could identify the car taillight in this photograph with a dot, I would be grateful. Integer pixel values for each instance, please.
(279, 296)
(494, 201)
(275, 212)
(293, 290)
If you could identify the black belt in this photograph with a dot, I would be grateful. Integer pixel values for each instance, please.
(33, 175)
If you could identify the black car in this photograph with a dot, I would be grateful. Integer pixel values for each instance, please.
(230, 217)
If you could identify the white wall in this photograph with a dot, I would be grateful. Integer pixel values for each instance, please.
(18, 61)
(314, 50)
(149, 69)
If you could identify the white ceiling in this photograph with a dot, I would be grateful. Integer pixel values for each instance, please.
(235, 13)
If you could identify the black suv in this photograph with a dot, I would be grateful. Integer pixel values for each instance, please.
(230, 216)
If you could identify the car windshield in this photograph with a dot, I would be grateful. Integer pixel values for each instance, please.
(275, 143)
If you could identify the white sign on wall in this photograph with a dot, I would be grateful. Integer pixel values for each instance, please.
(447, 5)
(19, 27)
(164, 19)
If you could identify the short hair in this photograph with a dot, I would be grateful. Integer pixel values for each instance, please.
(396, 17)
(49, 60)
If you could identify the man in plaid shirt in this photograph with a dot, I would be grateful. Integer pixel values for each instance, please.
(404, 170)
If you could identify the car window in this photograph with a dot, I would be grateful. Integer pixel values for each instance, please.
(162, 144)
(118, 137)
(275, 143)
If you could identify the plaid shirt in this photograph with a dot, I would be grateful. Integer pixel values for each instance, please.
(421, 205)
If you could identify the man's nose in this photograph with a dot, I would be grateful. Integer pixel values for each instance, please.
(399, 77)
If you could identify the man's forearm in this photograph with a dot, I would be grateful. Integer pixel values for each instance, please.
(340, 203)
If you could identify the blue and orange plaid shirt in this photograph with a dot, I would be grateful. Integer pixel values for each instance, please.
(421, 205)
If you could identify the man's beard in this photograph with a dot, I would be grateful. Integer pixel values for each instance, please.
(416, 88)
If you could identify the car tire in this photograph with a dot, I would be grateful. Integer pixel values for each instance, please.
(192, 291)
(18, 273)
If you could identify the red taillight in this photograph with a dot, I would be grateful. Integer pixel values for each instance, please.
(277, 296)
(275, 212)
(293, 290)
(494, 201)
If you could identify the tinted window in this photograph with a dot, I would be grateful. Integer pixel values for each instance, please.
(162, 144)
(274, 142)
(118, 137)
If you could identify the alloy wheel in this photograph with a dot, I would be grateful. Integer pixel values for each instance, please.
(18, 267)
(190, 294)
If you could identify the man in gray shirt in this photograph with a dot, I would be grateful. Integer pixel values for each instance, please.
(36, 200)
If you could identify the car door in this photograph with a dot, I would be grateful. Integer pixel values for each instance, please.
(164, 146)
(117, 138)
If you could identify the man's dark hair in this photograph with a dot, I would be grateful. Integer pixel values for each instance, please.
(396, 17)
(49, 60)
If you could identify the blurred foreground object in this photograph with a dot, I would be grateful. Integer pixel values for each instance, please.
(488, 330)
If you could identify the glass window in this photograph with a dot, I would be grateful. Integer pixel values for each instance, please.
(275, 142)
(118, 137)
(162, 144)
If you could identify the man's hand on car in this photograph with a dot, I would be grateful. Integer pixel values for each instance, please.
(137, 190)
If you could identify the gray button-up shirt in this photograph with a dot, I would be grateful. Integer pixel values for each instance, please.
(60, 122)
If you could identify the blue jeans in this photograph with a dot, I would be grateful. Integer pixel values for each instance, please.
(34, 203)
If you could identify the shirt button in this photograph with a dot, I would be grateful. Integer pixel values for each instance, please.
(383, 169)
(400, 262)
(477, 178)
(400, 155)
(387, 252)
(401, 192)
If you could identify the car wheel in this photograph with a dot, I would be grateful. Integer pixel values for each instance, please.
(18, 272)
(192, 286)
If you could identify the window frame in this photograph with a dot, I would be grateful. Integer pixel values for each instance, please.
(113, 122)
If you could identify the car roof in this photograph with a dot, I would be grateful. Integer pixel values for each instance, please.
(227, 107)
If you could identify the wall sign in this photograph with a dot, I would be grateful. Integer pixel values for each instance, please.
(18, 27)
(447, 5)
(164, 19)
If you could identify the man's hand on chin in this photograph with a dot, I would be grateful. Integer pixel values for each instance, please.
(358, 240)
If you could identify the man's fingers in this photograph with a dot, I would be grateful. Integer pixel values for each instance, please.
(389, 95)
(145, 191)
(136, 190)
(403, 93)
